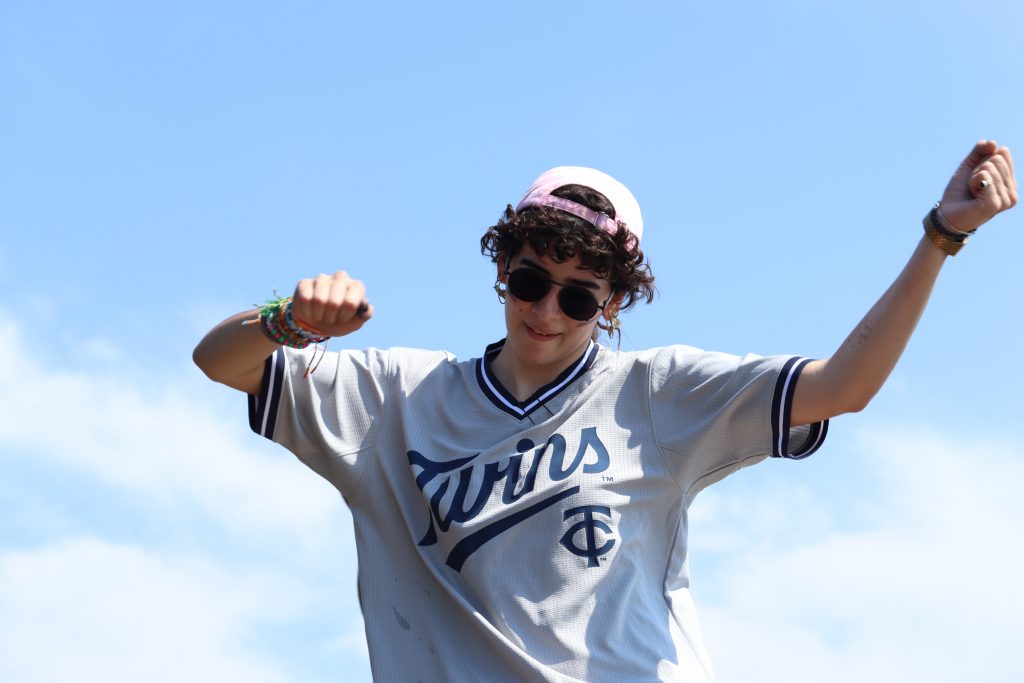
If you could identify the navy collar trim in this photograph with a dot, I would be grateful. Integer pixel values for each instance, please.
(503, 398)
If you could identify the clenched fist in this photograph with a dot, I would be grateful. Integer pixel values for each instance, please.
(331, 305)
(982, 186)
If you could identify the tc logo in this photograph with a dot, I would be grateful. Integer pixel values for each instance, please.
(589, 551)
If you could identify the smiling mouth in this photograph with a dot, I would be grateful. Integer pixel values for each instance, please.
(543, 335)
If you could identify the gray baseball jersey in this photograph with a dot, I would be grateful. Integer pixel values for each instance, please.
(542, 540)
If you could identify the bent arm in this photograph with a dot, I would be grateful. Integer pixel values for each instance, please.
(983, 185)
(848, 380)
(233, 354)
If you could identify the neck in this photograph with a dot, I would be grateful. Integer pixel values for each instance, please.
(523, 379)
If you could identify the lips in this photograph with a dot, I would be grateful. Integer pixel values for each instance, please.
(542, 336)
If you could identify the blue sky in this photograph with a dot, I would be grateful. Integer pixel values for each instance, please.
(168, 164)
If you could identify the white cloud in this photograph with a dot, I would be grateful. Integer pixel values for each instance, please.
(205, 553)
(902, 568)
(924, 588)
(182, 443)
(100, 350)
(87, 610)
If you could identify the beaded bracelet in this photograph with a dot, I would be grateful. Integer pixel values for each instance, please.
(303, 332)
(276, 334)
(297, 337)
(310, 334)
(276, 322)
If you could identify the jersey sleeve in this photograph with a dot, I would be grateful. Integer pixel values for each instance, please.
(325, 410)
(714, 413)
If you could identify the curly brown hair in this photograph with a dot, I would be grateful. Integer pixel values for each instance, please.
(561, 236)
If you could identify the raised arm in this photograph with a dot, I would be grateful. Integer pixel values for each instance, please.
(983, 185)
(233, 353)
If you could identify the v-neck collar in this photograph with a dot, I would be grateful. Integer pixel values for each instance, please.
(503, 398)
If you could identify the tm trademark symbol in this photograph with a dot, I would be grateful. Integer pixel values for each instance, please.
(607, 478)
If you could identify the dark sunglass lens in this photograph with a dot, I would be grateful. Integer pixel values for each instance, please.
(527, 285)
(578, 303)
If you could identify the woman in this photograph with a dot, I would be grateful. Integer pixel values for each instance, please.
(522, 516)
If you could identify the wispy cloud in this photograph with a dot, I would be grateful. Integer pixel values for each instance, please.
(923, 587)
(176, 544)
(174, 440)
(899, 563)
(88, 610)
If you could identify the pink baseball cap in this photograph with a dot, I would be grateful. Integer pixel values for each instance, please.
(627, 210)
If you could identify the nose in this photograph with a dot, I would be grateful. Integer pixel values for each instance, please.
(548, 306)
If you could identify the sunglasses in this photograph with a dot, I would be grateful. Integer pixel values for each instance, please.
(529, 285)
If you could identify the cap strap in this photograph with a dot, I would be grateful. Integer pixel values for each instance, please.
(596, 218)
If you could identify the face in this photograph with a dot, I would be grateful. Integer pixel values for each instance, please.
(540, 334)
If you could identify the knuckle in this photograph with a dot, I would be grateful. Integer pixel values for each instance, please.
(336, 296)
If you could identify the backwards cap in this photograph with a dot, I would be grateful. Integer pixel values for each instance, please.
(627, 211)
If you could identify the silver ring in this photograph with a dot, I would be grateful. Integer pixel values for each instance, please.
(984, 184)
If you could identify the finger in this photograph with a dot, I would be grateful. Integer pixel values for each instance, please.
(983, 186)
(1002, 179)
(355, 295)
(1012, 184)
(356, 321)
(984, 177)
(1004, 152)
(1002, 197)
(338, 286)
(1011, 178)
(982, 150)
(321, 295)
(997, 170)
(301, 299)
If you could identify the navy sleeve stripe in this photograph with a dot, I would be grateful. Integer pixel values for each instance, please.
(263, 408)
(781, 415)
(788, 411)
(782, 411)
(782, 403)
(814, 441)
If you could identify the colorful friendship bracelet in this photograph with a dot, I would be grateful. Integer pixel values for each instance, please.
(278, 336)
(277, 323)
(290, 323)
(310, 335)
